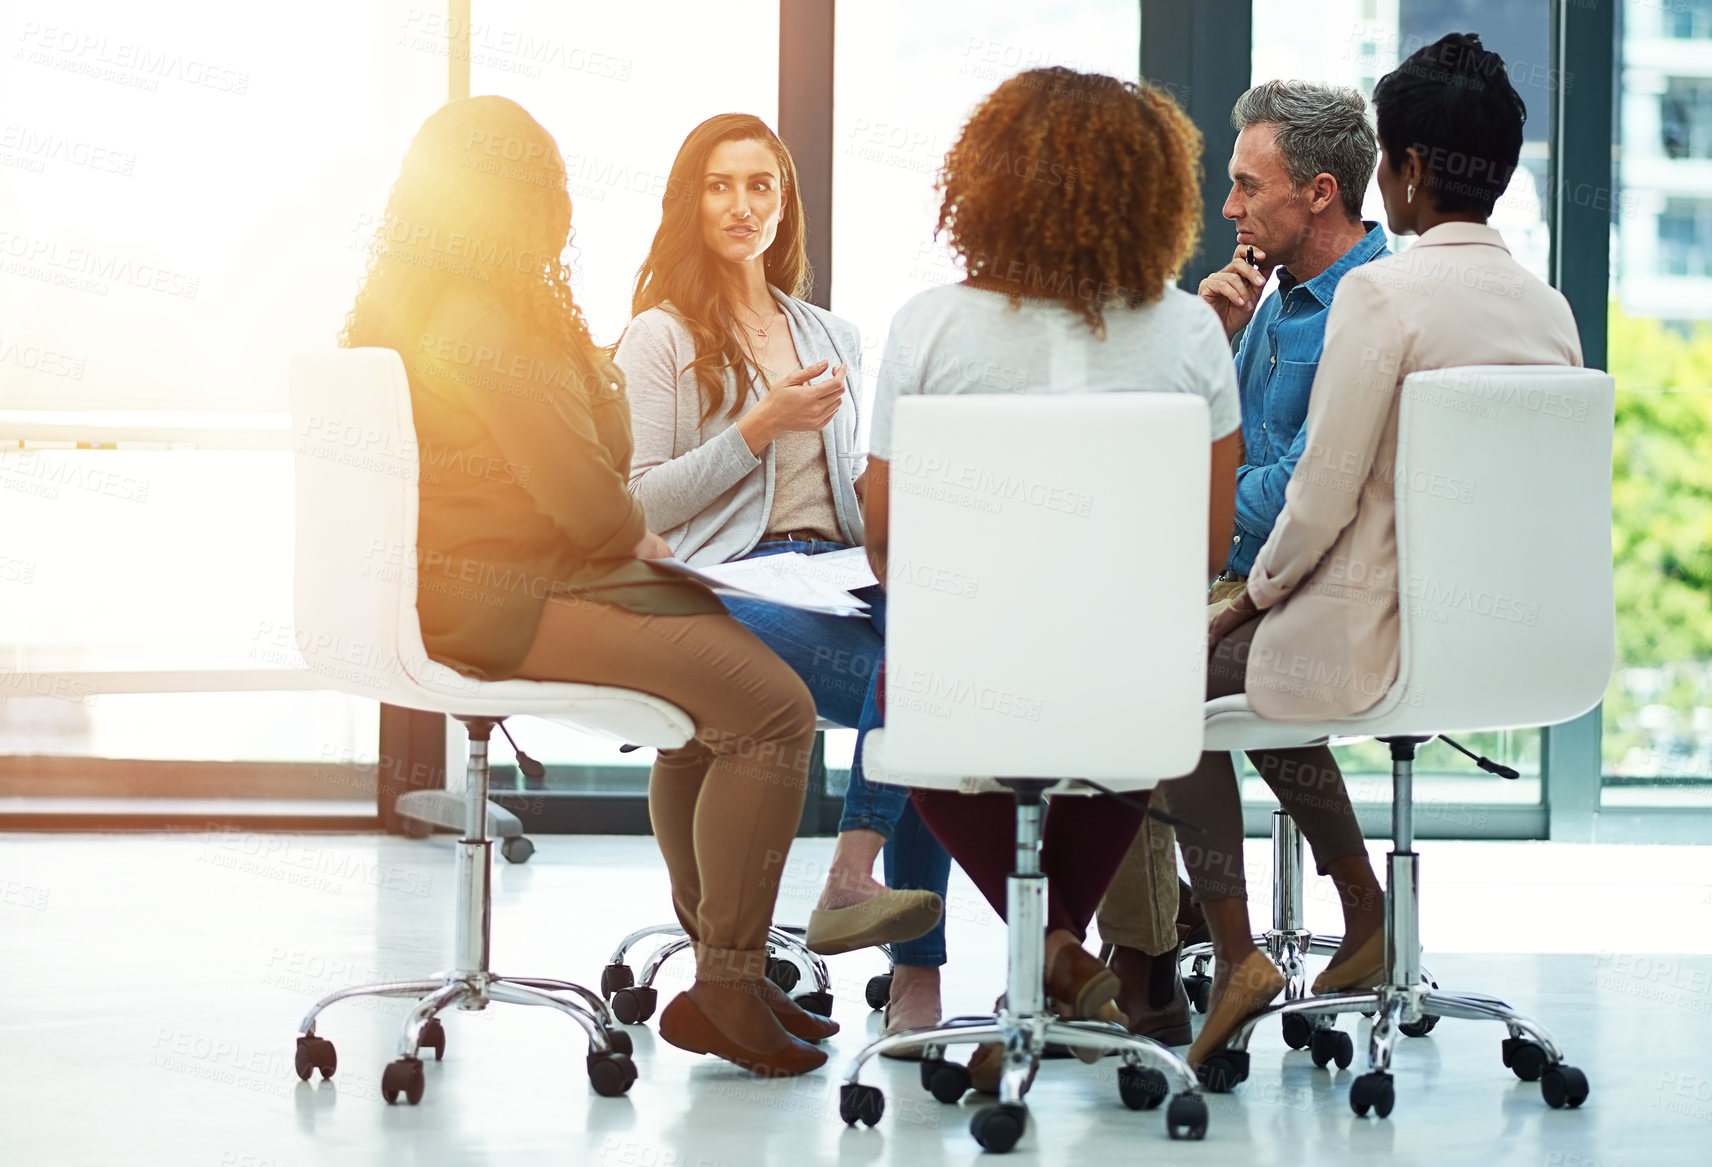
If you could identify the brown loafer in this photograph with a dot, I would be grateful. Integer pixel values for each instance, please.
(987, 1066)
(1075, 979)
(889, 918)
(797, 1021)
(684, 1025)
(1253, 985)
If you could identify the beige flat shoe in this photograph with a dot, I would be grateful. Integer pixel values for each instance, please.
(1253, 985)
(889, 918)
(1362, 970)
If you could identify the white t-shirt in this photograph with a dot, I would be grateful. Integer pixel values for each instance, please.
(958, 339)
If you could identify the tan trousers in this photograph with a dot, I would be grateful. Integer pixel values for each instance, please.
(1140, 908)
(725, 806)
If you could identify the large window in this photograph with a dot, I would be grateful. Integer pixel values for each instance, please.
(1685, 118)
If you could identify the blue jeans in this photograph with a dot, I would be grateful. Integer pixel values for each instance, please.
(838, 658)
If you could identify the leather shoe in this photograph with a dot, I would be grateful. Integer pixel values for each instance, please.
(1152, 997)
(687, 1027)
(1076, 980)
(1252, 986)
(1362, 969)
(889, 918)
(797, 1021)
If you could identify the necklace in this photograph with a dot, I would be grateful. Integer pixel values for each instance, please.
(760, 333)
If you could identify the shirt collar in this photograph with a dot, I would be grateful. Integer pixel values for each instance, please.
(1324, 285)
(1452, 234)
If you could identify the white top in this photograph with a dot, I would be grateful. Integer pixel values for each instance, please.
(958, 339)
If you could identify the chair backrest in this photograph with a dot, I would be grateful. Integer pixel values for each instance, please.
(1503, 488)
(1046, 580)
(356, 470)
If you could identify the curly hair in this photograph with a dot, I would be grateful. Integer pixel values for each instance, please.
(480, 199)
(679, 268)
(1076, 187)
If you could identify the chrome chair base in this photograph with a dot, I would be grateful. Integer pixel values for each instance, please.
(633, 1001)
(470, 985)
(1025, 1027)
(1406, 1002)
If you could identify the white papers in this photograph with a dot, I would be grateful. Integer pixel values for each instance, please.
(790, 579)
(847, 570)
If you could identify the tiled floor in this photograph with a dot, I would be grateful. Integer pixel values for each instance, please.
(150, 987)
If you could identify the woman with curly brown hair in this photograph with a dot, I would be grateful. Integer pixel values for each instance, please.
(534, 560)
(1072, 200)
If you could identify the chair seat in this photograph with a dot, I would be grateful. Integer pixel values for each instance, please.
(874, 770)
(1232, 724)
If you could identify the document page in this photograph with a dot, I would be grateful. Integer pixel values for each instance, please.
(776, 582)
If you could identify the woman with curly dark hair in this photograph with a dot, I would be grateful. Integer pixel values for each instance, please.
(1072, 201)
(534, 560)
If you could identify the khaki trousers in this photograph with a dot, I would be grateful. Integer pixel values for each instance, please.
(726, 804)
(1140, 908)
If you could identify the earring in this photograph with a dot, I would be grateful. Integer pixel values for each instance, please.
(1410, 196)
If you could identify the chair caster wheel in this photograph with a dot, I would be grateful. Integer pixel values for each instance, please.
(634, 1006)
(402, 1077)
(946, 1081)
(1298, 1030)
(517, 849)
(1142, 1087)
(879, 992)
(1419, 1028)
(1526, 1059)
(1372, 1092)
(859, 1103)
(1563, 1086)
(619, 1042)
(316, 1053)
(611, 1074)
(615, 977)
(1223, 1070)
(997, 1128)
(818, 1003)
(1186, 1117)
(1199, 986)
(1331, 1045)
(433, 1036)
(782, 973)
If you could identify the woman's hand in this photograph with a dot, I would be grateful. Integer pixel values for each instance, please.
(794, 406)
(651, 546)
(1238, 612)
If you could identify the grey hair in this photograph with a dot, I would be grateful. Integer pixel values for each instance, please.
(1321, 129)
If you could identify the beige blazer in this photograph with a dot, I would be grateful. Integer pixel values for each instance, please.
(1327, 646)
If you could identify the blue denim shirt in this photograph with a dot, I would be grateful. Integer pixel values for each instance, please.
(1275, 372)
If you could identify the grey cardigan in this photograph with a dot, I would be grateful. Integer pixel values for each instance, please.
(698, 484)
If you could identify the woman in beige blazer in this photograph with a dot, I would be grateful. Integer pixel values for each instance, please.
(1315, 635)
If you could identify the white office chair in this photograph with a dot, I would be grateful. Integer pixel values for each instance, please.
(1503, 487)
(357, 627)
(1046, 626)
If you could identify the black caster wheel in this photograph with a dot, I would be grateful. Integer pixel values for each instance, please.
(859, 1103)
(516, 849)
(1298, 1030)
(1331, 1045)
(611, 1074)
(818, 1003)
(783, 973)
(1372, 1092)
(1419, 1028)
(615, 977)
(619, 1042)
(414, 828)
(1563, 1086)
(879, 991)
(433, 1036)
(1526, 1059)
(1186, 1118)
(946, 1081)
(1142, 1088)
(402, 1077)
(634, 1006)
(316, 1053)
(1223, 1070)
(1200, 990)
(997, 1128)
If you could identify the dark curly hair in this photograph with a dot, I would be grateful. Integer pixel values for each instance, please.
(679, 269)
(1075, 187)
(480, 202)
